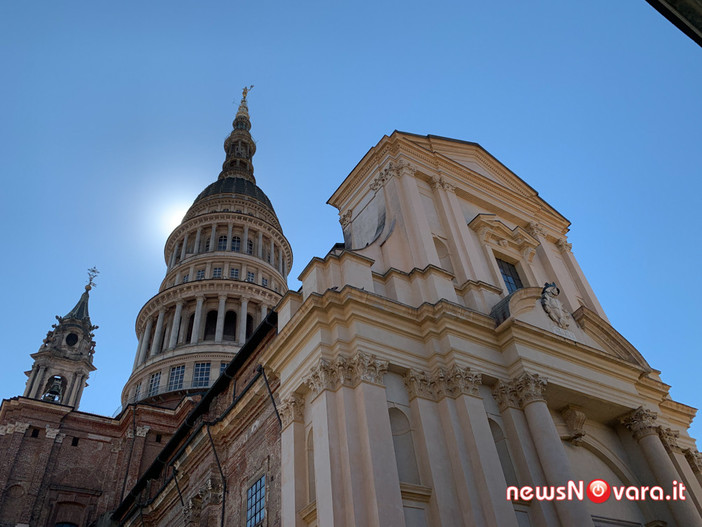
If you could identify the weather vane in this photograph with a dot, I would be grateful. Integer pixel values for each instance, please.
(92, 273)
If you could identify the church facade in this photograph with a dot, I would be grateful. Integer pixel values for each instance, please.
(447, 364)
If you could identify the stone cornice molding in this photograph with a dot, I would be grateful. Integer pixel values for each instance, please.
(402, 145)
(418, 385)
(345, 218)
(640, 422)
(669, 438)
(397, 168)
(291, 409)
(51, 432)
(495, 233)
(605, 335)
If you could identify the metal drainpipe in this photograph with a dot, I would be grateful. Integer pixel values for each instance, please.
(221, 473)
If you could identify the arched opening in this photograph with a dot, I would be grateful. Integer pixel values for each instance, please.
(503, 453)
(443, 255)
(222, 243)
(311, 491)
(236, 244)
(191, 323)
(210, 325)
(404, 447)
(249, 326)
(230, 326)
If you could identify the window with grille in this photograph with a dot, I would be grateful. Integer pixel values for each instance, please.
(200, 275)
(510, 276)
(222, 243)
(236, 244)
(256, 503)
(175, 378)
(222, 367)
(264, 282)
(217, 272)
(186, 278)
(201, 375)
(250, 277)
(154, 383)
(250, 247)
(234, 273)
(137, 392)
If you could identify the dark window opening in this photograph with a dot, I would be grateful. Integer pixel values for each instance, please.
(74, 441)
(158, 438)
(230, 326)
(210, 325)
(510, 276)
(35, 432)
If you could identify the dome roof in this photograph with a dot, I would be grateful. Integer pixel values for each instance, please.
(235, 185)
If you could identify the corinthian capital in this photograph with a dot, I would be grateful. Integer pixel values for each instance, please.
(455, 381)
(529, 388)
(669, 438)
(641, 422)
(694, 458)
(367, 368)
(323, 376)
(503, 393)
(418, 385)
(291, 409)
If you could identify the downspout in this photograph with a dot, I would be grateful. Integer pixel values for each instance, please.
(221, 473)
(131, 450)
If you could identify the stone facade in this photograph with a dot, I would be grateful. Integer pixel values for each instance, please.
(450, 348)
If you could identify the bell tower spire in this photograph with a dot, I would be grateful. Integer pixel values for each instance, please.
(239, 146)
(65, 359)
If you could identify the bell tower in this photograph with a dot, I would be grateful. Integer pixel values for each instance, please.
(65, 359)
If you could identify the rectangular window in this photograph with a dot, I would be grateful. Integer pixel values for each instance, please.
(186, 278)
(264, 282)
(137, 392)
(200, 274)
(201, 375)
(234, 273)
(510, 276)
(175, 378)
(250, 247)
(256, 503)
(222, 367)
(217, 272)
(250, 277)
(154, 383)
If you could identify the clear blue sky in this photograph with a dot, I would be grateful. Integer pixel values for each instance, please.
(113, 116)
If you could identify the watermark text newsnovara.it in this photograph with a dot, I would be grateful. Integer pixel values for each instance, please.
(597, 491)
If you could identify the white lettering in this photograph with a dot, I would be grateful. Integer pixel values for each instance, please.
(512, 493)
(542, 493)
(526, 493)
(577, 490)
(632, 494)
(618, 492)
(656, 493)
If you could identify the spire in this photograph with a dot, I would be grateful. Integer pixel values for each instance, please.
(80, 311)
(239, 146)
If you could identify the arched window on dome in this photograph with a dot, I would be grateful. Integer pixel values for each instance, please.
(250, 247)
(229, 326)
(210, 325)
(222, 243)
(236, 244)
(207, 245)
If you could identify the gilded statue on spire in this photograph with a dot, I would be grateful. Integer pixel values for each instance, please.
(245, 92)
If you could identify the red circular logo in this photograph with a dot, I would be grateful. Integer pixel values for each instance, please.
(598, 491)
